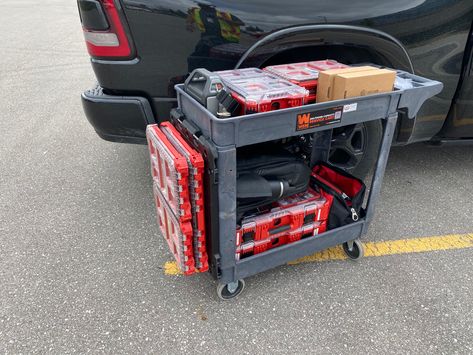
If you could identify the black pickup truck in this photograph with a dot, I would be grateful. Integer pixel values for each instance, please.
(141, 48)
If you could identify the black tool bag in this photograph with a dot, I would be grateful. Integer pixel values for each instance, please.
(267, 176)
(347, 193)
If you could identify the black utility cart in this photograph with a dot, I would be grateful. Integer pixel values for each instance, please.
(219, 141)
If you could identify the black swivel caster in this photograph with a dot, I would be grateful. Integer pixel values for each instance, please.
(354, 249)
(231, 290)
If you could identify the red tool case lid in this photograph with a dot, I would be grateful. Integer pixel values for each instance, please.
(171, 192)
(259, 91)
(178, 233)
(195, 163)
(278, 239)
(170, 172)
(305, 71)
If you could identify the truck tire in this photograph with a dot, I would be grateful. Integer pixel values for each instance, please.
(354, 148)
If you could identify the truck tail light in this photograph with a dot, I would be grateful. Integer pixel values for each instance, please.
(104, 32)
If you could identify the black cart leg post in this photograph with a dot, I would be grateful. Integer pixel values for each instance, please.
(321, 142)
(384, 149)
(229, 285)
(227, 212)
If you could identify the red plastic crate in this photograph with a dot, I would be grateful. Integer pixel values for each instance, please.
(238, 74)
(170, 172)
(305, 74)
(195, 164)
(304, 198)
(284, 223)
(326, 64)
(259, 91)
(282, 219)
(279, 239)
(178, 233)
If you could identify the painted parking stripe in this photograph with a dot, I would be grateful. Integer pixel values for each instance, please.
(373, 249)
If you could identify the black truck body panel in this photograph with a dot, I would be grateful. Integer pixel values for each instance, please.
(430, 37)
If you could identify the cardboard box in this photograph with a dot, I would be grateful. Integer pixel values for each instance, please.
(326, 79)
(363, 83)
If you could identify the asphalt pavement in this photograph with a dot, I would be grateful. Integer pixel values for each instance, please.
(81, 259)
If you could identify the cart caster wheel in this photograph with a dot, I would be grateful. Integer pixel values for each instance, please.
(231, 290)
(354, 250)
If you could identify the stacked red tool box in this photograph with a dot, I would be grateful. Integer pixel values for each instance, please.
(177, 172)
(178, 233)
(170, 172)
(289, 220)
(305, 74)
(195, 164)
(259, 91)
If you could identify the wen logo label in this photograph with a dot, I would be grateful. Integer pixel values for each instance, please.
(319, 118)
(303, 121)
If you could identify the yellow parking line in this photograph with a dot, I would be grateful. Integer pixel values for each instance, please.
(400, 246)
(388, 247)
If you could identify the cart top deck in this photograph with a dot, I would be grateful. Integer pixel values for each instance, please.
(261, 127)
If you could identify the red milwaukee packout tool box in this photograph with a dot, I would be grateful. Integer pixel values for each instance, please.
(170, 172)
(288, 221)
(259, 91)
(195, 164)
(237, 74)
(305, 74)
(178, 233)
(281, 238)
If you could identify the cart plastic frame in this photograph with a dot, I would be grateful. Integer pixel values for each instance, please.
(227, 135)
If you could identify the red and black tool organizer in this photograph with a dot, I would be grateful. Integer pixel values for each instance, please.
(195, 164)
(177, 172)
(170, 172)
(193, 136)
(305, 74)
(178, 233)
(259, 91)
(277, 239)
(292, 218)
(238, 74)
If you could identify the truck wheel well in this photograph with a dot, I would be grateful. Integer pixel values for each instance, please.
(344, 53)
(329, 37)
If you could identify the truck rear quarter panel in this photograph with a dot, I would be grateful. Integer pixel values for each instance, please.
(170, 44)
